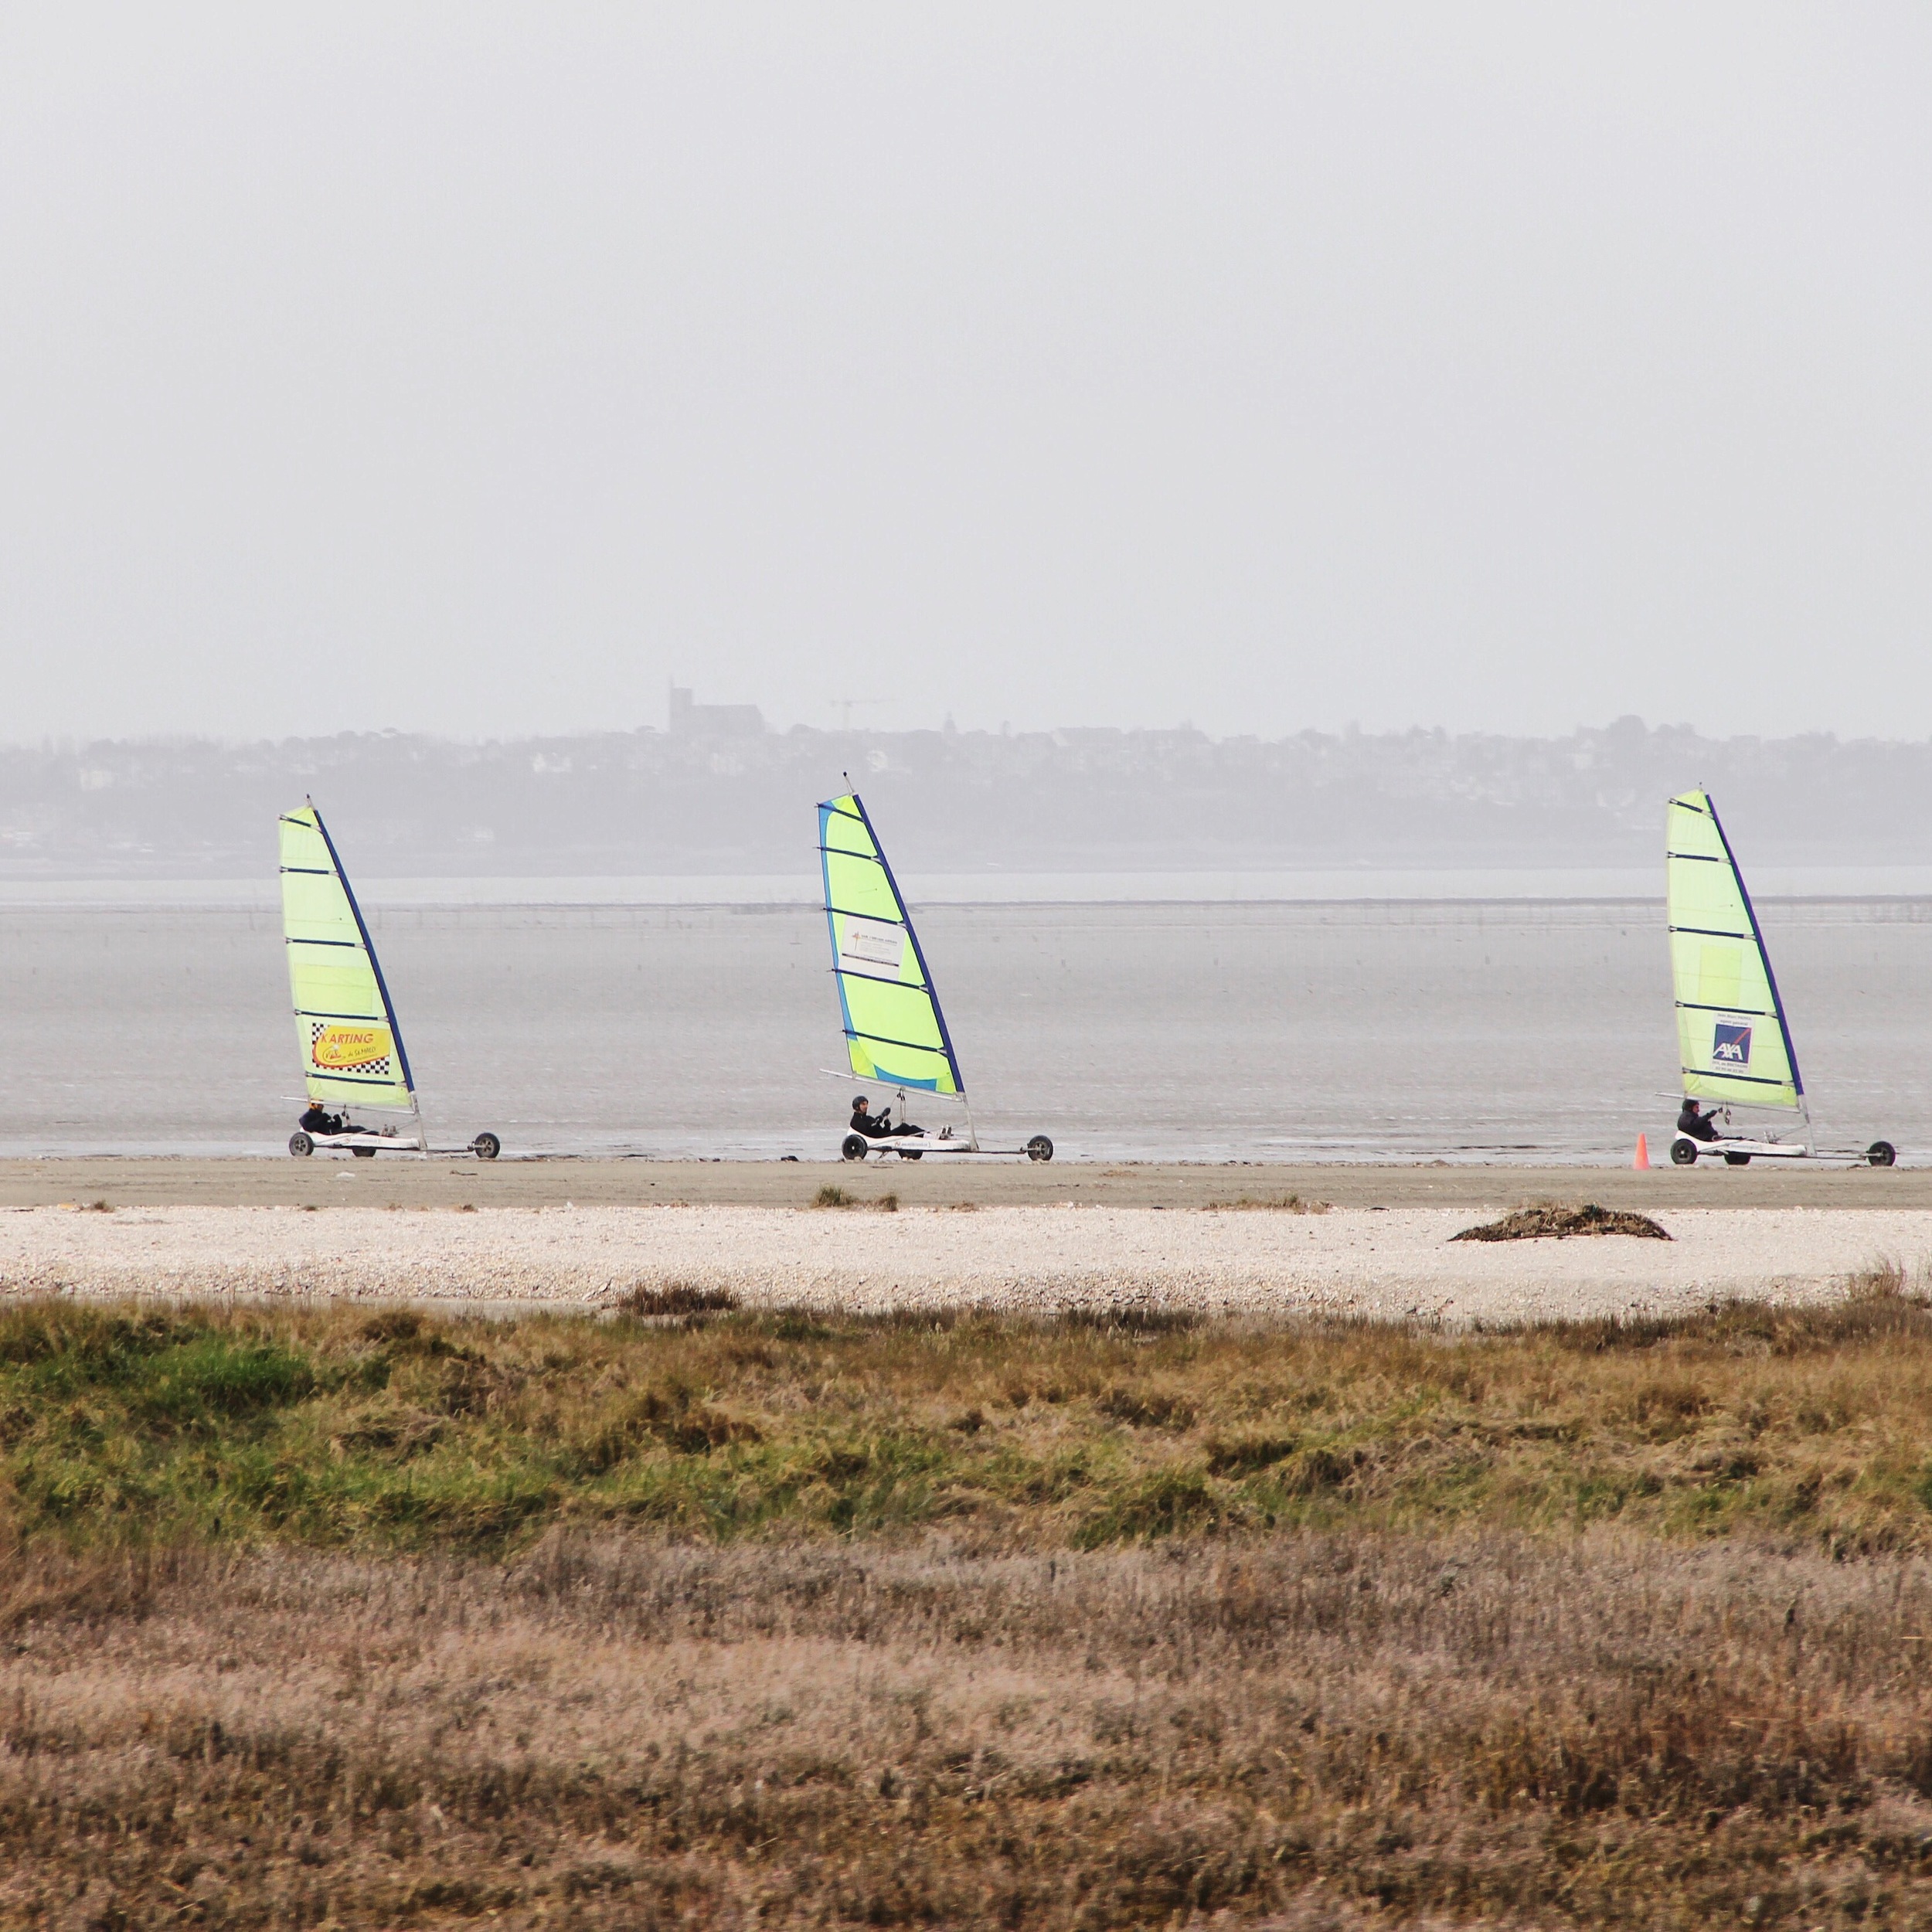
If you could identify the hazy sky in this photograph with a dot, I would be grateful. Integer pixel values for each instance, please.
(476, 368)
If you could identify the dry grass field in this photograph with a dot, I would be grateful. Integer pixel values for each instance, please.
(696, 1617)
(1310, 1730)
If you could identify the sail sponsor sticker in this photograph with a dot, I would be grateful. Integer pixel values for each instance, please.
(1731, 1044)
(355, 1049)
(870, 947)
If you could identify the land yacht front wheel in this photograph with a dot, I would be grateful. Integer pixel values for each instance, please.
(1039, 1148)
(486, 1147)
(1881, 1154)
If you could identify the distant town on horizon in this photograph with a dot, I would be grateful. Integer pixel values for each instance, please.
(715, 790)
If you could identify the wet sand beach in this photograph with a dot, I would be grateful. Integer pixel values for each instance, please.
(407, 1181)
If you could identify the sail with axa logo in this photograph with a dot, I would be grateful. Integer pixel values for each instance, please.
(1734, 1041)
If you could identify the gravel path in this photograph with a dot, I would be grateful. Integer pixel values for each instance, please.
(1392, 1262)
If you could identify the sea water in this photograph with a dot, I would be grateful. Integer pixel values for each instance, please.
(1522, 1029)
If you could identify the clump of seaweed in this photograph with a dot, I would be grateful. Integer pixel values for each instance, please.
(1549, 1222)
(1279, 1204)
(836, 1197)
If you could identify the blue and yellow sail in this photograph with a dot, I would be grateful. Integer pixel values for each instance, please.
(895, 1032)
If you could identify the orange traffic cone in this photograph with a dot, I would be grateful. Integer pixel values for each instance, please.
(1642, 1161)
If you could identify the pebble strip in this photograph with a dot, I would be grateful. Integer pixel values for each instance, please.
(1397, 1262)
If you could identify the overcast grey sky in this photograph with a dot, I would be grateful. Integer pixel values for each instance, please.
(476, 368)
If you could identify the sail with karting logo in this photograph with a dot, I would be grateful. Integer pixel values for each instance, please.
(351, 1048)
(895, 1032)
(1733, 1041)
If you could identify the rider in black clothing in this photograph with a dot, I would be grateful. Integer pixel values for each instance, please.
(318, 1120)
(877, 1126)
(1695, 1122)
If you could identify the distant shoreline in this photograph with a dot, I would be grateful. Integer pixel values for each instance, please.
(1314, 887)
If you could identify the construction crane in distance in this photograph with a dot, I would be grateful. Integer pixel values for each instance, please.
(846, 706)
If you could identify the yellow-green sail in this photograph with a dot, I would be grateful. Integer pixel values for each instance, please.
(1733, 1041)
(895, 1033)
(351, 1048)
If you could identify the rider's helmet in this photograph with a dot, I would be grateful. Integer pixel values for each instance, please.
(859, 1103)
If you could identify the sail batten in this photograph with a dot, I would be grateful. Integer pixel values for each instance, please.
(1721, 974)
(351, 1047)
(895, 1030)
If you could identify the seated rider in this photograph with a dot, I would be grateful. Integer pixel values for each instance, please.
(1693, 1121)
(318, 1120)
(877, 1126)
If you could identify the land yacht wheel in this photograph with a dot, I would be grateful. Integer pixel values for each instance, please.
(852, 1148)
(1737, 1160)
(486, 1147)
(1039, 1148)
(363, 1153)
(299, 1143)
(904, 1156)
(1683, 1153)
(1881, 1154)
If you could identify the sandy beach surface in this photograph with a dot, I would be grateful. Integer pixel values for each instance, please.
(408, 1181)
(1370, 1260)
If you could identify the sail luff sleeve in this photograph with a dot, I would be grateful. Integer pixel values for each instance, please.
(351, 1051)
(1763, 954)
(374, 962)
(895, 1032)
(1733, 1044)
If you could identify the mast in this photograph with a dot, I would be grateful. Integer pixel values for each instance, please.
(919, 952)
(1770, 977)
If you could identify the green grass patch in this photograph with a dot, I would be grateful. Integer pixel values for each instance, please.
(335, 1428)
